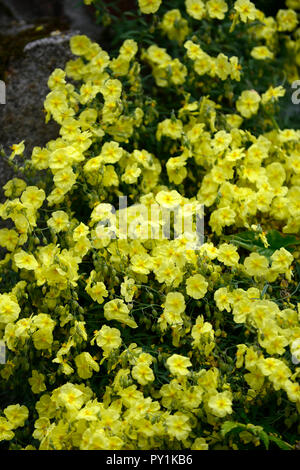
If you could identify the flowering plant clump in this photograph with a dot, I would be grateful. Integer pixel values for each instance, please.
(119, 335)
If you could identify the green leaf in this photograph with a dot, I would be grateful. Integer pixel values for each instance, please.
(251, 242)
(277, 240)
(280, 443)
(264, 438)
(229, 426)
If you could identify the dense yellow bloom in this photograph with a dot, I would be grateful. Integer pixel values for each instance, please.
(162, 127)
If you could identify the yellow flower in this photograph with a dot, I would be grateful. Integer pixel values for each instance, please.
(241, 310)
(108, 338)
(97, 292)
(143, 374)
(241, 349)
(256, 265)
(33, 197)
(42, 339)
(8, 239)
(178, 426)
(14, 187)
(141, 264)
(195, 8)
(111, 90)
(59, 221)
(65, 179)
(174, 302)
(248, 103)
(17, 149)
(25, 260)
(281, 260)
(196, 286)
(228, 254)
(37, 382)
(272, 94)
(261, 53)
(178, 365)
(129, 49)
(70, 396)
(117, 310)
(246, 10)
(111, 152)
(220, 404)
(16, 415)
(199, 444)
(149, 6)
(223, 299)
(223, 67)
(255, 379)
(6, 433)
(202, 328)
(217, 9)
(85, 365)
(56, 79)
(168, 199)
(287, 20)
(269, 365)
(131, 174)
(80, 44)
(170, 128)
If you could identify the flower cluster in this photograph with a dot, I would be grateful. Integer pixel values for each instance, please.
(118, 334)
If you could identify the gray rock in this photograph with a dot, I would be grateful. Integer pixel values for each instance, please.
(81, 19)
(27, 10)
(22, 117)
